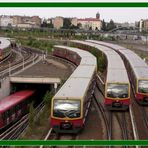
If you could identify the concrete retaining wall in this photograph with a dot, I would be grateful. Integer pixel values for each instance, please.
(5, 87)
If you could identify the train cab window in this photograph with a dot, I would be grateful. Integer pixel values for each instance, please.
(143, 86)
(6, 114)
(117, 90)
(66, 108)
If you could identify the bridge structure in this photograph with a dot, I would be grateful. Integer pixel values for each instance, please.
(47, 71)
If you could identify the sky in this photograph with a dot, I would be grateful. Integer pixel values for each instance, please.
(117, 14)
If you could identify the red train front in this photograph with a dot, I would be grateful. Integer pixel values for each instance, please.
(117, 96)
(142, 91)
(66, 116)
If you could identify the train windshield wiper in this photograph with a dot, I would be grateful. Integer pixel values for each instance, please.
(73, 113)
(60, 113)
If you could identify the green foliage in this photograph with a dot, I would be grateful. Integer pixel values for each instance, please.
(31, 115)
(67, 23)
(103, 25)
(111, 25)
(108, 26)
(50, 25)
(47, 98)
(101, 61)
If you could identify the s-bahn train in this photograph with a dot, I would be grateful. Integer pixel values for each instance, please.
(116, 86)
(137, 69)
(5, 48)
(70, 105)
(13, 107)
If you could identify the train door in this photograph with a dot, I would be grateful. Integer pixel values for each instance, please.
(13, 114)
(18, 110)
(7, 117)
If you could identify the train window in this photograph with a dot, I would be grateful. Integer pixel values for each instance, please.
(117, 90)
(18, 107)
(7, 113)
(66, 108)
(12, 110)
(143, 86)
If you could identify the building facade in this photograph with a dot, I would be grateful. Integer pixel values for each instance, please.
(16, 20)
(143, 25)
(74, 21)
(90, 23)
(58, 22)
(6, 21)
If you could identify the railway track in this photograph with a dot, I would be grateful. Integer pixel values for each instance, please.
(123, 125)
(14, 131)
(6, 58)
(14, 58)
(126, 126)
(51, 135)
(145, 116)
(21, 64)
(104, 116)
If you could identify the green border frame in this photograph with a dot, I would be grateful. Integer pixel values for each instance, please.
(73, 142)
(73, 4)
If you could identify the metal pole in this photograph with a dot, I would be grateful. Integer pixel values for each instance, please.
(55, 87)
(33, 57)
(23, 62)
(9, 69)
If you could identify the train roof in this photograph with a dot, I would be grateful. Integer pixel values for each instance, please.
(88, 61)
(14, 99)
(82, 53)
(110, 45)
(73, 88)
(4, 43)
(86, 57)
(84, 71)
(101, 48)
(141, 72)
(117, 76)
(114, 60)
(136, 62)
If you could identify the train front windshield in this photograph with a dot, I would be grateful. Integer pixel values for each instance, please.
(66, 108)
(143, 86)
(117, 90)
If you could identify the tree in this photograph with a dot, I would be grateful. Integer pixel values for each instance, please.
(44, 24)
(103, 25)
(111, 25)
(47, 98)
(67, 23)
(90, 28)
(79, 25)
(50, 25)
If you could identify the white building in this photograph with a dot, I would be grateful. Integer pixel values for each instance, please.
(6, 21)
(58, 22)
(90, 23)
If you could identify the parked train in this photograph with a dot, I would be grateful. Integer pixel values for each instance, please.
(116, 83)
(5, 48)
(13, 107)
(137, 69)
(70, 105)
